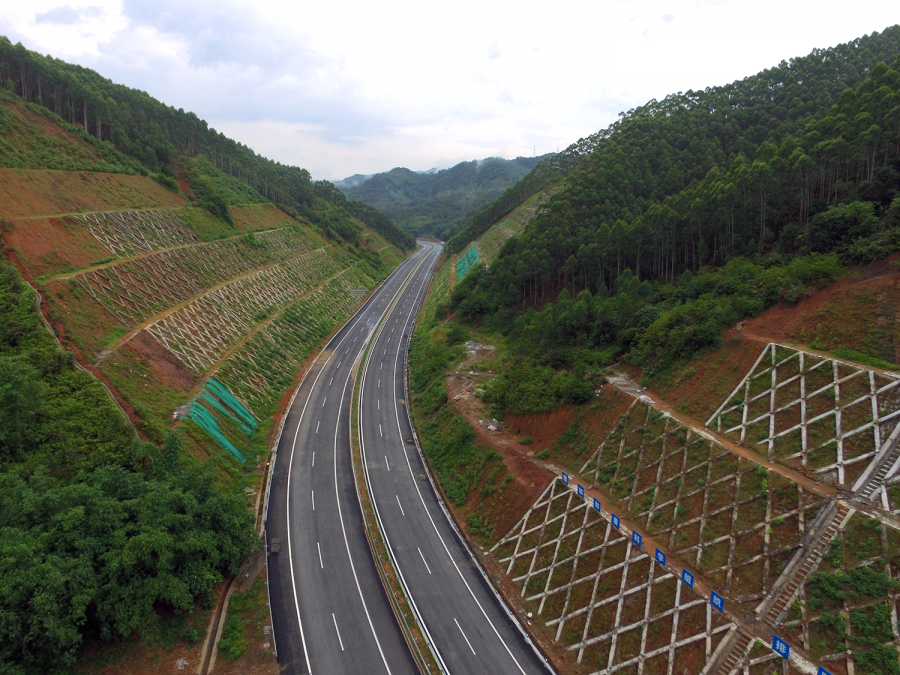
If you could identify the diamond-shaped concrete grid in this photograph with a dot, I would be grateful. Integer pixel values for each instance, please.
(201, 331)
(817, 619)
(129, 232)
(135, 290)
(607, 599)
(265, 365)
(732, 519)
(824, 414)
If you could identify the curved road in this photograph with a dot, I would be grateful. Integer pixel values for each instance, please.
(469, 627)
(329, 608)
(330, 613)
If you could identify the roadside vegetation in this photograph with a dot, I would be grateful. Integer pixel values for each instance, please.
(99, 531)
(669, 232)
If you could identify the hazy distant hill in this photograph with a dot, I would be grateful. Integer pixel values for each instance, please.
(428, 203)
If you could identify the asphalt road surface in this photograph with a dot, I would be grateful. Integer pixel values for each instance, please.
(468, 625)
(329, 609)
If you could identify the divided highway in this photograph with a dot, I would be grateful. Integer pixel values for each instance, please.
(329, 609)
(469, 628)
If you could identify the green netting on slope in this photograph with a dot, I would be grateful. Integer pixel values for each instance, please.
(216, 395)
(224, 395)
(464, 264)
(208, 422)
(214, 402)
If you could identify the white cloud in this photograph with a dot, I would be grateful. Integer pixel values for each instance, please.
(362, 87)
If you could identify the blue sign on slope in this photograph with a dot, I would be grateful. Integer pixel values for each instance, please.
(781, 647)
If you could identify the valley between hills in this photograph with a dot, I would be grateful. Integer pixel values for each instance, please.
(632, 408)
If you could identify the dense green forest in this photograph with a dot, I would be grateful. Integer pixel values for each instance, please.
(434, 204)
(692, 213)
(150, 137)
(667, 145)
(98, 530)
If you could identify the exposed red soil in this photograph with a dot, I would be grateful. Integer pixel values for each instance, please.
(530, 478)
(82, 316)
(48, 127)
(703, 384)
(861, 312)
(257, 216)
(167, 370)
(541, 427)
(26, 193)
(51, 245)
(183, 184)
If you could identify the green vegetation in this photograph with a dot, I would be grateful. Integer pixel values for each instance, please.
(448, 441)
(24, 145)
(626, 172)
(248, 612)
(675, 227)
(434, 204)
(130, 132)
(98, 530)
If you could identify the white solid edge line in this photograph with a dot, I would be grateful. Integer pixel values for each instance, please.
(443, 543)
(354, 318)
(434, 648)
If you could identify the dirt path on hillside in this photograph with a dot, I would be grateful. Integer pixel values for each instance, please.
(531, 475)
(620, 380)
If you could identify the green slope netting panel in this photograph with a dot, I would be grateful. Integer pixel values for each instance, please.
(464, 264)
(217, 396)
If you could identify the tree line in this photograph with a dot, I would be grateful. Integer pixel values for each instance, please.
(666, 145)
(98, 530)
(157, 135)
(665, 234)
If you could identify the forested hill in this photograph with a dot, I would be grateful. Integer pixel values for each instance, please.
(153, 137)
(707, 207)
(433, 204)
(659, 149)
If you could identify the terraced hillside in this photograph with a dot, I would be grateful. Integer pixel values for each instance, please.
(623, 571)
(160, 298)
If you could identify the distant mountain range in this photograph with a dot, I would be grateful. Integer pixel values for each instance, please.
(434, 203)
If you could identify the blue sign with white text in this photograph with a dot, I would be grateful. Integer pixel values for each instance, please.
(615, 521)
(822, 671)
(596, 505)
(635, 538)
(660, 557)
(565, 478)
(687, 578)
(716, 601)
(781, 647)
(581, 491)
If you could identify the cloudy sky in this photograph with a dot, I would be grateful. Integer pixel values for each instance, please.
(364, 86)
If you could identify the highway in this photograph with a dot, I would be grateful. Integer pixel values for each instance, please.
(468, 625)
(329, 609)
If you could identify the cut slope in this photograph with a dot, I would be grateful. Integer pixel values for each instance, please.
(26, 194)
(155, 311)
